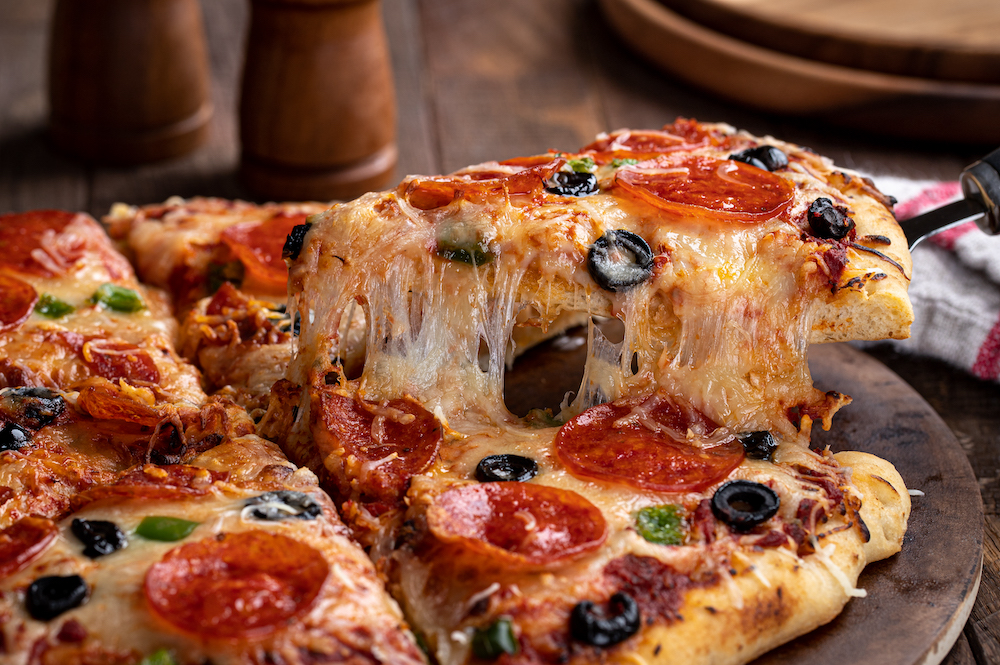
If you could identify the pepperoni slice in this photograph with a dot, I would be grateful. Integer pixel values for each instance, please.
(726, 188)
(238, 585)
(17, 300)
(638, 145)
(388, 441)
(119, 360)
(258, 247)
(644, 443)
(533, 160)
(21, 234)
(108, 401)
(23, 542)
(479, 186)
(153, 482)
(518, 524)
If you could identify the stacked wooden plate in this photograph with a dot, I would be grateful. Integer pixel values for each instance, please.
(922, 69)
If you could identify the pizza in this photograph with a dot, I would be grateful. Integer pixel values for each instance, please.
(141, 519)
(72, 308)
(221, 263)
(277, 433)
(672, 510)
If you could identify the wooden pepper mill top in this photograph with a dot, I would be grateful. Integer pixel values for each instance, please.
(128, 79)
(318, 106)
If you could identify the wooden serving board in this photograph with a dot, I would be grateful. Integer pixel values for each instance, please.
(898, 101)
(955, 40)
(919, 600)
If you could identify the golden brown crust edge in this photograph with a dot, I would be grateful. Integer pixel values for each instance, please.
(786, 597)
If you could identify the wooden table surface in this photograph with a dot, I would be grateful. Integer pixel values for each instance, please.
(479, 80)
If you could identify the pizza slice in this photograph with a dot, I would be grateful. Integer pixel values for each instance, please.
(222, 262)
(187, 564)
(535, 539)
(190, 247)
(73, 309)
(134, 530)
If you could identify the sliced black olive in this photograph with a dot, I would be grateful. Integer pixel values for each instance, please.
(506, 467)
(743, 504)
(619, 259)
(48, 597)
(13, 437)
(99, 536)
(827, 220)
(759, 445)
(294, 241)
(32, 408)
(571, 183)
(590, 624)
(765, 157)
(283, 504)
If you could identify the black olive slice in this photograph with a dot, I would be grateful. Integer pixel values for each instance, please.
(765, 157)
(284, 504)
(13, 437)
(99, 536)
(759, 445)
(571, 183)
(294, 241)
(827, 220)
(619, 259)
(506, 467)
(48, 597)
(743, 504)
(32, 408)
(591, 625)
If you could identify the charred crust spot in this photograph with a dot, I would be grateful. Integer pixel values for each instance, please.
(866, 535)
(869, 250)
(881, 479)
(877, 240)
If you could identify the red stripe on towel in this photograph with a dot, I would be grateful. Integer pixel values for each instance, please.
(987, 365)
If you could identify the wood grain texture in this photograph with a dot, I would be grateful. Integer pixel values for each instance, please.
(957, 40)
(776, 82)
(317, 105)
(128, 81)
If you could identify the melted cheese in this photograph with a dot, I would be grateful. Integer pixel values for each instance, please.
(116, 615)
(724, 323)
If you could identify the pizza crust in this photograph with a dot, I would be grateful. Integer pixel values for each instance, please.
(800, 594)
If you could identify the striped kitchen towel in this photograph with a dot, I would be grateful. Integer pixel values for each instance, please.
(956, 284)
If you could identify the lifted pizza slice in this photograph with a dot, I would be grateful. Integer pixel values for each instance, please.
(723, 256)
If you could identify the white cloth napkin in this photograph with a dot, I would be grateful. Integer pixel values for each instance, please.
(955, 288)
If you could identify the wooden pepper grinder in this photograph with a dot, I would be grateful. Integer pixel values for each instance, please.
(318, 107)
(128, 79)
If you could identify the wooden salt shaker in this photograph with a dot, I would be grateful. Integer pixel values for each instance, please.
(318, 107)
(128, 79)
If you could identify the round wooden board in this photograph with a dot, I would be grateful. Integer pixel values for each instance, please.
(918, 601)
(769, 80)
(958, 40)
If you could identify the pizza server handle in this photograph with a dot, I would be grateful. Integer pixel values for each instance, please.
(981, 188)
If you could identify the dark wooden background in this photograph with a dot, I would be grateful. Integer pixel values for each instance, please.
(487, 79)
